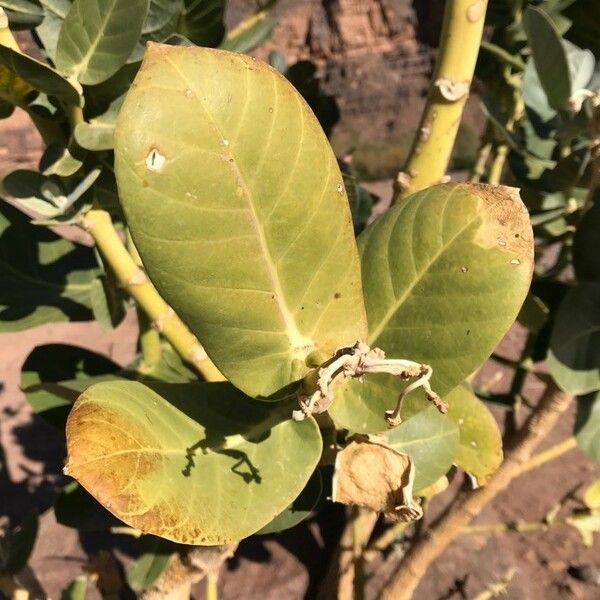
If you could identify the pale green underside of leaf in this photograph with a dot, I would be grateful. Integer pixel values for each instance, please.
(245, 229)
(97, 37)
(444, 276)
(193, 463)
(574, 355)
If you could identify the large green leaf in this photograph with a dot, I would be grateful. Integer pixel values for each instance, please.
(20, 73)
(244, 226)
(431, 440)
(587, 425)
(480, 446)
(444, 276)
(549, 55)
(43, 277)
(97, 37)
(194, 463)
(574, 355)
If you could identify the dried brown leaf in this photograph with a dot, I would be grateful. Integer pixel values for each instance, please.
(371, 474)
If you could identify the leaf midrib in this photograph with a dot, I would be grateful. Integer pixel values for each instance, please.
(297, 340)
(84, 62)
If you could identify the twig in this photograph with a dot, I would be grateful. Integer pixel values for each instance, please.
(469, 504)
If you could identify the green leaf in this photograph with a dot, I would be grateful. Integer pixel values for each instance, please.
(43, 277)
(22, 14)
(43, 195)
(98, 133)
(28, 73)
(257, 192)
(202, 21)
(16, 546)
(193, 463)
(586, 258)
(249, 38)
(79, 510)
(76, 590)
(549, 55)
(53, 376)
(431, 440)
(162, 19)
(444, 275)
(300, 509)
(587, 425)
(574, 355)
(480, 446)
(150, 565)
(55, 12)
(581, 65)
(97, 37)
(62, 161)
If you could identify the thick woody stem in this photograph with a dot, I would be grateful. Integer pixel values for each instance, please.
(132, 278)
(469, 504)
(455, 64)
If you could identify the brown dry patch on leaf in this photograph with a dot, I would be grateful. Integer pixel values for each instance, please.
(371, 474)
(109, 455)
(506, 224)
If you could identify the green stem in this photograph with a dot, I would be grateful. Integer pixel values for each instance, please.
(448, 92)
(149, 337)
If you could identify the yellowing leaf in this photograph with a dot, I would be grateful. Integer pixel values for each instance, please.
(193, 463)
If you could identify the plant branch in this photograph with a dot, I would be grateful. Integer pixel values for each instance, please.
(455, 64)
(537, 460)
(469, 504)
(131, 277)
